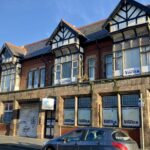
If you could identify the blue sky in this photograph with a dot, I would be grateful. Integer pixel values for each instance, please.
(27, 21)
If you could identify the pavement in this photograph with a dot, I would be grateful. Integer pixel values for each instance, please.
(33, 143)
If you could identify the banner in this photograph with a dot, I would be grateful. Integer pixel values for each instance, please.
(130, 117)
(131, 71)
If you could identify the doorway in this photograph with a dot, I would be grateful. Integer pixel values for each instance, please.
(49, 123)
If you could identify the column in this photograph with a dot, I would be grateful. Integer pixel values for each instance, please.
(119, 110)
(14, 124)
(95, 110)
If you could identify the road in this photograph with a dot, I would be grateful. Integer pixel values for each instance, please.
(14, 147)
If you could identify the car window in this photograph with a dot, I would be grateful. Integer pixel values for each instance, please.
(120, 136)
(74, 136)
(94, 135)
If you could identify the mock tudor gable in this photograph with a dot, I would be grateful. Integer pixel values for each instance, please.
(127, 13)
(65, 39)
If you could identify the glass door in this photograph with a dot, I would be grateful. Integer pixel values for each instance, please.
(49, 124)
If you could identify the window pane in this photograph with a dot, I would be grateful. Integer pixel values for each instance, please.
(91, 66)
(36, 78)
(108, 62)
(7, 117)
(118, 60)
(129, 56)
(84, 116)
(42, 77)
(58, 72)
(146, 56)
(130, 100)
(66, 70)
(75, 69)
(30, 79)
(69, 116)
(110, 101)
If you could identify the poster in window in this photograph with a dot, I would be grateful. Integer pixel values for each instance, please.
(69, 117)
(84, 117)
(110, 117)
(130, 117)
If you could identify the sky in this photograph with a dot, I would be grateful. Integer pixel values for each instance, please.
(27, 21)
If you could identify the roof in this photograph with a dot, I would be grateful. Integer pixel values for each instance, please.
(37, 48)
(122, 2)
(92, 28)
(16, 50)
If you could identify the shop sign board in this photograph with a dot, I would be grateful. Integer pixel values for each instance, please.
(131, 117)
(48, 104)
(110, 117)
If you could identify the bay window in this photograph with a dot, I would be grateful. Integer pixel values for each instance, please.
(67, 69)
(91, 68)
(110, 110)
(132, 62)
(8, 80)
(69, 111)
(84, 111)
(108, 66)
(130, 110)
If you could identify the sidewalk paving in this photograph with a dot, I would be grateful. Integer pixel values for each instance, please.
(22, 141)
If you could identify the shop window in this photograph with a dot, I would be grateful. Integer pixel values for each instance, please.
(36, 78)
(132, 67)
(84, 111)
(130, 110)
(110, 111)
(91, 68)
(69, 111)
(108, 66)
(118, 63)
(8, 80)
(8, 112)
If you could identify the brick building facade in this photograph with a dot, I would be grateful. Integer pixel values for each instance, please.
(94, 75)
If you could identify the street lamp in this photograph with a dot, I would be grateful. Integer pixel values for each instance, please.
(141, 105)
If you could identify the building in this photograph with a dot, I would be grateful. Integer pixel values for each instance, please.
(94, 75)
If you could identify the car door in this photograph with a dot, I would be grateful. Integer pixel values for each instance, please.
(69, 141)
(92, 141)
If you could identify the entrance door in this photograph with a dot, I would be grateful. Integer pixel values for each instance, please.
(49, 124)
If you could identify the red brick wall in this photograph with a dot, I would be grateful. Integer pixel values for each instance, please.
(30, 64)
(97, 51)
(4, 129)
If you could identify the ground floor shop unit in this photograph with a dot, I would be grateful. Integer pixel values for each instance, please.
(107, 103)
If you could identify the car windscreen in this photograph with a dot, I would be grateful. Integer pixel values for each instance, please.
(121, 136)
